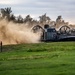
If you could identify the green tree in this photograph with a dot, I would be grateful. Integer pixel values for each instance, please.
(6, 12)
(44, 19)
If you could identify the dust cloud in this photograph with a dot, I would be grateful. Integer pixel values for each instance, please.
(15, 33)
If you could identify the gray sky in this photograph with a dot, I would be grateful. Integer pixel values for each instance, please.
(35, 8)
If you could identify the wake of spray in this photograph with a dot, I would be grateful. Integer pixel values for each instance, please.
(11, 33)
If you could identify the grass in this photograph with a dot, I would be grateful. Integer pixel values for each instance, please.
(54, 58)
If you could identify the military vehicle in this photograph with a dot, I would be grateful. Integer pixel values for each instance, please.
(64, 33)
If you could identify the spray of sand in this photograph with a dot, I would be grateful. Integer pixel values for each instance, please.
(11, 33)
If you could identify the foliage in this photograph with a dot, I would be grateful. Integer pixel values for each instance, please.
(43, 19)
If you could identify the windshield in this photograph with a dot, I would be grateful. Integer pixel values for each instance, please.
(51, 30)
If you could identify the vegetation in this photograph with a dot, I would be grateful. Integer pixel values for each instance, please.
(43, 19)
(55, 58)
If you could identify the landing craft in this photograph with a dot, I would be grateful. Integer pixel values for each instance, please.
(64, 33)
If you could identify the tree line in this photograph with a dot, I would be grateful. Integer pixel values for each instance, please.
(6, 13)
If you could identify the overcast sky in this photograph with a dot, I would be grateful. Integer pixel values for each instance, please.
(35, 8)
